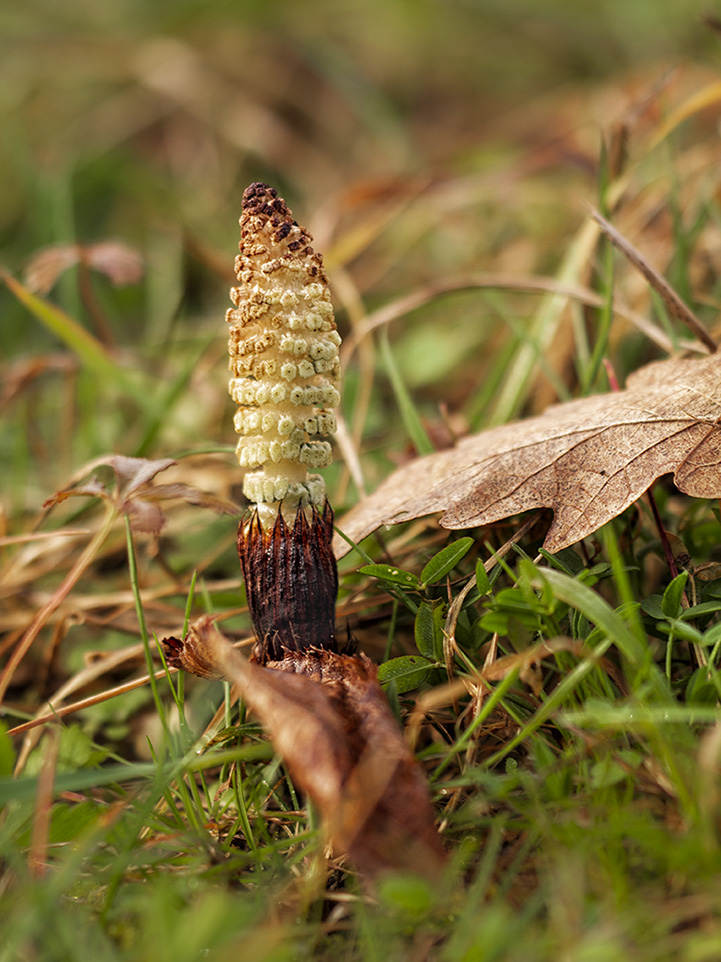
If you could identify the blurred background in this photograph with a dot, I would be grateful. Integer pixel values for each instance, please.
(444, 154)
(418, 141)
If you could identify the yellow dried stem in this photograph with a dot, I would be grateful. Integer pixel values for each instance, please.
(283, 349)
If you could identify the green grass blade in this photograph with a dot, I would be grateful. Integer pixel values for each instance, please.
(26, 789)
(408, 412)
(81, 342)
(519, 379)
(584, 599)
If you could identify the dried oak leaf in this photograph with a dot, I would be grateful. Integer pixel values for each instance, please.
(588, 459)
(328, 718)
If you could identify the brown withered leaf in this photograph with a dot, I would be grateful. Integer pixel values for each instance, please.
(588, 459)
(193, 653)
(92, 488)
(328, 718)
(121, 263)
(186, 492)
(133, 473)
(133, 493)
(136, 494)
(145, 518)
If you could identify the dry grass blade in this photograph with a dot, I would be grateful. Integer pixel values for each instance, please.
(86, 703)
(673, 302)
(43, 536)
(53, 710)
(456, 606)
(708, 96)
(38, 852)
(525, 664)
(481, 281)
(56, 599)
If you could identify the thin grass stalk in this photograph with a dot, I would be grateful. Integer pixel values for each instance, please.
(489, 705)
(409, 415)
(56, 599)
(603, 331)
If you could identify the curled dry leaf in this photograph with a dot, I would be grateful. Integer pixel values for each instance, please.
(119, 262)
(330, 721)
(137, 497)
(193, 654)
(92, 488)
(189, 494)
(133, 473)
(588, 459)
(132, 495)
(145, 518)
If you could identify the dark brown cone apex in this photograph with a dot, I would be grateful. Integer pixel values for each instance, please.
(291, 583)
(266, 218)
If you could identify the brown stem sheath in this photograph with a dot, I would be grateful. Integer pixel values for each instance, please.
(291, 582)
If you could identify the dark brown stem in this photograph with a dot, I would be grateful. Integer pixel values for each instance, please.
(93, 307)
(670, 561)
(291, 582)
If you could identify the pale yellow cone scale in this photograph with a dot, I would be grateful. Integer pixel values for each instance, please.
(283, 347)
